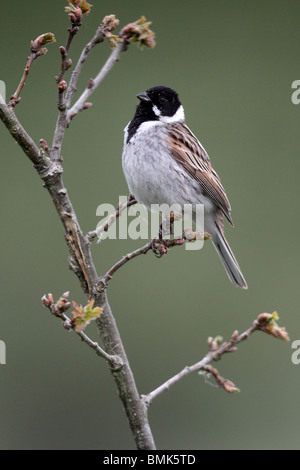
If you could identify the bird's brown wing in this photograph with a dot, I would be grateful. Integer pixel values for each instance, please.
(187, 151)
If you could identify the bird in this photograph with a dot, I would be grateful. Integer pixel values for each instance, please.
(164, 163)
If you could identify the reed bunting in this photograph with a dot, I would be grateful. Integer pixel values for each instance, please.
(164, 163)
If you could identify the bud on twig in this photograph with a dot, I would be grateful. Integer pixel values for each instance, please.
(63, 51)
(90, 83)
(41, 52)
(45, 146)
(87, 105)
(68, 64)
(214, 343)
(139, 33)
(77, 8)
(41, 41)
(45, 301)
(221, 381)
(110, 22)
(37, 50)
(58, 308)
(266, 322)
(190, 235)
(62, 86)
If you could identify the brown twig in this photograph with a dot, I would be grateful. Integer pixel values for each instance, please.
(64, 51)
(111, 219)
(66, 63)
(58, 310)
(37, 50)
(226, 384)
(92, 85)
(97, 38)
(65, 114)
(265, 322)
(15, 98)
(158, 245)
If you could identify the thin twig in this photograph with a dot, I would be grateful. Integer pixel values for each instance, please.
(94, 83)
(58, 310)
(158, 245)
(16, 96)
(64, 51)
(103, 281)
(111, 219)
(96, 39)
(115, 361)
(18, 132)
(36, 50)
(66, 115)
(264, 322)
(65, 62)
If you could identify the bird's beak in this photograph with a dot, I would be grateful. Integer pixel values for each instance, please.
(143, 96)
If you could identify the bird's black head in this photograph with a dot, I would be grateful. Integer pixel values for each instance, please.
(156, 104)
(163, 101)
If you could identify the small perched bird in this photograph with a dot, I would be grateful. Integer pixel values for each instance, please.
(164, 163)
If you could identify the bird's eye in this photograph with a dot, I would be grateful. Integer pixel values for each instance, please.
(162, 100)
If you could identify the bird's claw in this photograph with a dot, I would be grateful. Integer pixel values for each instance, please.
(159, 247)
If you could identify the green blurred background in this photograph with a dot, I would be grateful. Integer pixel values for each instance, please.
(233, 64)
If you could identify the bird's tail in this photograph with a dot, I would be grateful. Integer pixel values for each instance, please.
(227, 257)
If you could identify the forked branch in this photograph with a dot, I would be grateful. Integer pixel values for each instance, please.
(265, 322)
(49, 169)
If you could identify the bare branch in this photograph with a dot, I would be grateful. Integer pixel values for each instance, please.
(64, 52)
(58, 310)
(111, 219)
(137, 32)
(94, 83)
(108, 24)
(15, 98)
(158, 245)
(37, 50)
(115, 361)
(63, 121)
(19, 134)
(103, 281)
(65, 116)
(264, 322)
